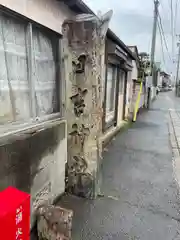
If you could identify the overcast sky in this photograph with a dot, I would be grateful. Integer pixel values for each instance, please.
(132, 22)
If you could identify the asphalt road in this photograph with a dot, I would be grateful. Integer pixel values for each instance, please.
(139, 197)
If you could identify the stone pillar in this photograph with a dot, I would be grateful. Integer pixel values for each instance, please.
(83, 54)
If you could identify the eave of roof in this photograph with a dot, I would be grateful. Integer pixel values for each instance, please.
(117, 40)
(165, 74)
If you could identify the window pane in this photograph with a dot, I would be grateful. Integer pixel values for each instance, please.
(45, 65)
(121, 81)
(14, 90)
(113, 89)
(109, 88)
(111, 92)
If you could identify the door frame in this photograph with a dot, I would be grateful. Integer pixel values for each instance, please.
(113, 122)
(125, 94)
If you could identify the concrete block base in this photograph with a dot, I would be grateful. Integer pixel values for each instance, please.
(54, 223)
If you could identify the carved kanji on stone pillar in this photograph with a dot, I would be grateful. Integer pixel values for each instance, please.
(83, 62)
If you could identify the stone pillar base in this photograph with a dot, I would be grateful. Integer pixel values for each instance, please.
(85, 186)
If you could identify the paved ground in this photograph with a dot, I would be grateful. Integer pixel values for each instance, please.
(139, 195)
(174, 134)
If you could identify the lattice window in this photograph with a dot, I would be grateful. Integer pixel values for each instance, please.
(29, 72)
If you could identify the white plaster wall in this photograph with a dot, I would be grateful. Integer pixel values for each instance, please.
(120, 109)
(134, 71)
(153, 92)
(52, 170)
(141, 100)
(49, 181)
(160, 80)
(50, 13)
(58, 169)
(135, 97)
(149, 81)
(129, 94)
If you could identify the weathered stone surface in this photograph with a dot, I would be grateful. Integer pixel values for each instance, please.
(54, 223)
(83, 59)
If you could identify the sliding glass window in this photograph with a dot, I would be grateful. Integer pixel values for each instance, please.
(111, 93)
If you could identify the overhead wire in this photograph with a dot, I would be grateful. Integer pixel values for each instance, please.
(175, 25)
(162, 46)
(172, 25)
(175, 17)
(174, 13)
(162, 33)
(164, 37)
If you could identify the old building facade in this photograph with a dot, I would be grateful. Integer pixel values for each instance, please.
(32, 124)
(136, 80)
(62, 94)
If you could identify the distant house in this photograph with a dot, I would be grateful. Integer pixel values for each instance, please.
(136, 82)
(135, 62)
(118, 63)
(164, 79)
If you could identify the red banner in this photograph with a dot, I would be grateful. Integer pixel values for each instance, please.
(14, 215)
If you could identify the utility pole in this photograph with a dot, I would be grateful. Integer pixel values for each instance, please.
(178, 63)
(153, 46)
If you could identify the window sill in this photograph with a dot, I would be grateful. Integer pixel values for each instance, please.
(23, 131)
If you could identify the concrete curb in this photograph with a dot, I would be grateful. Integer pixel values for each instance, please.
(173, 118)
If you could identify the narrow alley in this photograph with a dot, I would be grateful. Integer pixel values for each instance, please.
(138, 197)
(90, 119)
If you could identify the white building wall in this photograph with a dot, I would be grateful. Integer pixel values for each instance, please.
(49, 182)
(158, 78)
(148, 81)
(50, 13)
(134, 71)
(49, 178)
(160, 81)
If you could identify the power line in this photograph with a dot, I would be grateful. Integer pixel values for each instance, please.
(178, 65)
(176, 16)
(162, 6)
(162, 48)
(175, 22)
(163, 35)
(172, 26)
